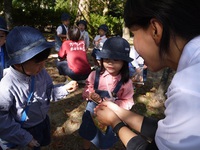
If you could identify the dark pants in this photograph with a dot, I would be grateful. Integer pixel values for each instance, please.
(41, 133)
(64, 69)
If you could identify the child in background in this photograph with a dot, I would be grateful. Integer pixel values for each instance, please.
(137, 68)
(61, 31)
(26, 91)
(82, 25)
(73, 62)
(98, 43)
(110, 82)
(63, 28)
(3, 53)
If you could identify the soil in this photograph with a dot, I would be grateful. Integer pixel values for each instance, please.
(65, 115)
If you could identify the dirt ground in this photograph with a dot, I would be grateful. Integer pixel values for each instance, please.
(65, 115)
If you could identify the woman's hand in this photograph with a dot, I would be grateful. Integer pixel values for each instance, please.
(111, 105)
(106, 116)
(71, 86)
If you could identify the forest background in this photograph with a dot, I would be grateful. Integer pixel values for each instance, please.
(45, 14)
(66, 115)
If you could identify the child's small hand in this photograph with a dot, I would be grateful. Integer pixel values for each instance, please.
(71, 86)
(33, 143)
(95, 97)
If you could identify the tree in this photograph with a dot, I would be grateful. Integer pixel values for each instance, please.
(160, 93)
(8, 13)
(83, 10)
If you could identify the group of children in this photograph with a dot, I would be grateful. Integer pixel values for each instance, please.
(72, 54)
(27, 89)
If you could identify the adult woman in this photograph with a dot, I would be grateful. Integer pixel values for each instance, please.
(166, 34)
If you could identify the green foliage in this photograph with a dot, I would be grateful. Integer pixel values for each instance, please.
(42, 13)
(114, 24)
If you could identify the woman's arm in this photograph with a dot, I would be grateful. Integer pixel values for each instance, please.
(108, 117)
(111, 114)
(133, 120)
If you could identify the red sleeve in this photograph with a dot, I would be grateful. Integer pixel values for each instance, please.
(63, 50)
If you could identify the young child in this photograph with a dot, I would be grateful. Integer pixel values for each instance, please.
(3, 53)
(63, 28)
(61, 31)
(98, 43)
(26, 90)
(137, 68)
(72, 55)
(111, 82)
(82, 25)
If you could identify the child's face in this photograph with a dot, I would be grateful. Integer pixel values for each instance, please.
(113, 66)
(31, 67)
(101, 32)
(2, 38)
(81, 27)
(66, 22)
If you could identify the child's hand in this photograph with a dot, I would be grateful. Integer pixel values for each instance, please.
(71, 86)
(33, 143)
(95, 97)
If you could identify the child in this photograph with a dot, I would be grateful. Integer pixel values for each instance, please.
(3, 53)
(110, 82)
(72, 55)
(63, 28)
(26, 90)
(61, 31)
(137, 68)
(82, 25)
(98, 43)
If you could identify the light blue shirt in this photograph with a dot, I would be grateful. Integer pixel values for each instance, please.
(15, 89)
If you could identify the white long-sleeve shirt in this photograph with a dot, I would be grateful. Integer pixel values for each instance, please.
(180, 129)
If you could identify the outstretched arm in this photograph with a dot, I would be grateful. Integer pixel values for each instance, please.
(111, 114)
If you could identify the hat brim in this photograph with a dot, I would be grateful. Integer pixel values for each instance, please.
(30, 53)
(1, 29)
(110, 55)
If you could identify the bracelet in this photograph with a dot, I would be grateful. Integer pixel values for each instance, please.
(118, 127)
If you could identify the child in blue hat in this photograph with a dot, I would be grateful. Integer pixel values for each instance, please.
(82, 25)
(98, 42)
(3, 53)
(63, 28)
(26, 91)
(110, 82)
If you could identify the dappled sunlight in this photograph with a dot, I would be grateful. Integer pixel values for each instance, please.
(72, 123)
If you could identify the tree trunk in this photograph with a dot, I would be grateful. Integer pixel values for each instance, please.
(160, 93)
(8, 13)
(125, 33)
(83, 10)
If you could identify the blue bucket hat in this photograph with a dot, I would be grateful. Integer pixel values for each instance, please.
(23, 43)
(3, 25)
(103, 27)
(65, 17)
(115, 48)
(82, 22)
